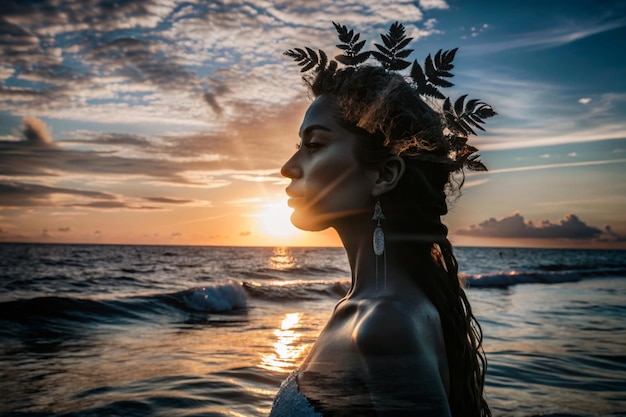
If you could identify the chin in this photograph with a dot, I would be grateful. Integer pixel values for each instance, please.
(307, 222)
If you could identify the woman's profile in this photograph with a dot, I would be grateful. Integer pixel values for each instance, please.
(375, 162)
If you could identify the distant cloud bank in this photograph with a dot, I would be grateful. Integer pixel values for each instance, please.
(514, 226)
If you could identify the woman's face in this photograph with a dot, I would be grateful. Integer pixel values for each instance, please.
(328, 185)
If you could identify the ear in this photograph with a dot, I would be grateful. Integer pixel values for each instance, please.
(389, 173)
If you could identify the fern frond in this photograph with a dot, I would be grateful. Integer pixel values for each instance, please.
(474, 164)
(308, 59)
(433, 73)
(352, 55)
(391, 53)
(424, 87)
(457, 143)
(464, 116)
(464, 155)
(458, 105)
(443, 60)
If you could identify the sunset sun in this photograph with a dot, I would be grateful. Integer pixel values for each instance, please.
(274, 220)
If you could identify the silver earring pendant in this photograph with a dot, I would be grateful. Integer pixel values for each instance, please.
(379, 244)
(379, 235)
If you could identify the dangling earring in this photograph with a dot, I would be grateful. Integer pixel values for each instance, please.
(379, 235)
(379, 242)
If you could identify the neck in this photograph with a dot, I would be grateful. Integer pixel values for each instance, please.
(372, 276)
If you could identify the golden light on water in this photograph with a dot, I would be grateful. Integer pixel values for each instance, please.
(281, 259)
(287, 350)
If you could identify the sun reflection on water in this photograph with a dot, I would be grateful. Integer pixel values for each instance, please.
(287, 350)
(281, 259)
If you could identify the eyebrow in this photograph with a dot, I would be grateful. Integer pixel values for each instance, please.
(309, 129)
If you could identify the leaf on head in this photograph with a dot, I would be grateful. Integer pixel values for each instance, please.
(352, 55)
(390, 55)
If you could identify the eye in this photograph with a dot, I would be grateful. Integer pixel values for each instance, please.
(313, 146)
(309, 146)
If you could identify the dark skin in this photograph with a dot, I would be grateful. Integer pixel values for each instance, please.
(382, 351)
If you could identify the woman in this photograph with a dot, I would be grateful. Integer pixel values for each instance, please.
(403, 341)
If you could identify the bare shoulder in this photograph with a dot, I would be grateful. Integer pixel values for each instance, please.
(403, 356)
(397, 327)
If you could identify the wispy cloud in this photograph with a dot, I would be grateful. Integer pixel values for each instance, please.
(546, 39)
(116, 205)
(551, 166)
(13, 194)
(536, 113)
(168, 200)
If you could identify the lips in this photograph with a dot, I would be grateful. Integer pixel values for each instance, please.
(295, 199)
(291, 193)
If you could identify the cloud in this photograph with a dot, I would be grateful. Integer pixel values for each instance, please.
(552, 166)
(514, 226)
(433, 4)
(608, 235)
(112, 205)
(259, 142)
(14, 194)
(213, 94)
(475, 183)
(522, 108)
(109, 139)
(475, 31)
(168, 62)
(546, 39)
(36, 132)
(584, 100)
(178, 160)
(168, 200)
(54, 19)
(34, 155)
(142, 61)
(21, 159)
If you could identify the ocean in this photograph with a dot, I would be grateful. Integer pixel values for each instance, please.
(105, 330)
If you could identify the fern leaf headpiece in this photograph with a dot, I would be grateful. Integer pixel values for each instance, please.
(459, 118)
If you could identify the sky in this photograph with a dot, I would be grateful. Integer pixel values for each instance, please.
(167, 122)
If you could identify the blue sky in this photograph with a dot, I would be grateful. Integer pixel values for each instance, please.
(159, 121)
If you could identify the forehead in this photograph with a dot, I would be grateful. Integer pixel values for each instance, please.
(323, 111)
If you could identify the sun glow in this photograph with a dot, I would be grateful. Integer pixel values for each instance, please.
(274, 220)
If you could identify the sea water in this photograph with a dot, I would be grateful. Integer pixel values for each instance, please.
(103, 330)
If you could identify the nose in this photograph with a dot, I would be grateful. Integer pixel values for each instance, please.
(292, 168)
